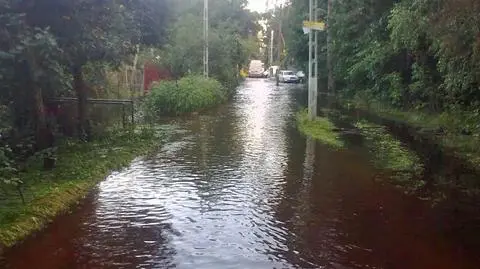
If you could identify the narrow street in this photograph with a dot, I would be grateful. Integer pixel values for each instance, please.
(240, 187)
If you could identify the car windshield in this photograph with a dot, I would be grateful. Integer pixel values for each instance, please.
(288, 73)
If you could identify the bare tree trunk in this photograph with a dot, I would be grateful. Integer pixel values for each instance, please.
(81, 91)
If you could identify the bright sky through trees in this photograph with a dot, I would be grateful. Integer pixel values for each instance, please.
(261, 5)
(257, 5)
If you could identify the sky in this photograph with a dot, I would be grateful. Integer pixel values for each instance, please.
(261, 5)
(257, 5)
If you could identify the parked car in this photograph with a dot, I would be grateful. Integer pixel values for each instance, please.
(301, 76)
(287, 76)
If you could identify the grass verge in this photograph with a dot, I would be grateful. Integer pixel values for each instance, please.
(321, 129)
(80, 166)
(455, 131)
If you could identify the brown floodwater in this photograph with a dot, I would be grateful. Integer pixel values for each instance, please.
(239, 187)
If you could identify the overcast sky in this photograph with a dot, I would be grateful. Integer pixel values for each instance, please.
(261, 5)
(257, 5)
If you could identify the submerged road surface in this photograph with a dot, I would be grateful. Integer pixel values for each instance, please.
(241, 188)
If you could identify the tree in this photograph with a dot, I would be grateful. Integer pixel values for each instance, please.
(29, 69)
(95, 30)
(232, 29)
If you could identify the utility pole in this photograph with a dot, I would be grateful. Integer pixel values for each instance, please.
(272, 33)
(279, 25)
(205, 36)
(312, 63)
(270, 59)
(279, 52)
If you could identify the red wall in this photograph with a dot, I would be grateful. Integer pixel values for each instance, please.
(151, 74)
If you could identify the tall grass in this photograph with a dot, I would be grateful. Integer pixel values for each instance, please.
(189, 94)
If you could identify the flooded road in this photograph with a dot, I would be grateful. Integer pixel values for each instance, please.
(241, 188)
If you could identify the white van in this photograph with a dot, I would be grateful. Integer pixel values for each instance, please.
(255, 69)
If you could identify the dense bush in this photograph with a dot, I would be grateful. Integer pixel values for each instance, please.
(188, 94)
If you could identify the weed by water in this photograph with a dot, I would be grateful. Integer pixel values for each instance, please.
(389, 153)
(456, 130)
(321, 129)
(189, 94)
(79, 168)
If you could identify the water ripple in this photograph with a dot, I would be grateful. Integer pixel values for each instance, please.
(237, 189)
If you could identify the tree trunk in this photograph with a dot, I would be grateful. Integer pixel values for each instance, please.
(81, 91)
(133, 78)
(42, 136)
(42, 133)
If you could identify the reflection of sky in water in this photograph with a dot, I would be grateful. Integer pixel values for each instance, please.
(255, 112)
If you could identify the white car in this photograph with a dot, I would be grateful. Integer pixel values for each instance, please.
(287, 76)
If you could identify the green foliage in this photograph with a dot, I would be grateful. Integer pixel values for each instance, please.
(80, 167)
(291, 18)
(232, 35)
(8, 171)
(321, 129)
(411, 54)
(416, 61)
(406, 25)
(191, 93)
(45, 47)
(457, 130)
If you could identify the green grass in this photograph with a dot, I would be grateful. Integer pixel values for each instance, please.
(390, 154)
(447, 129)
(321, 129)
(80, 166)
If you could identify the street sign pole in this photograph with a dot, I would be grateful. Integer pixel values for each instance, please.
(309, 27)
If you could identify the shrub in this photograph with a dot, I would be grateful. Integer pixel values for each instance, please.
(191, 93)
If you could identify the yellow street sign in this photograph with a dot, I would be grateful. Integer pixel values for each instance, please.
(314, 25)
